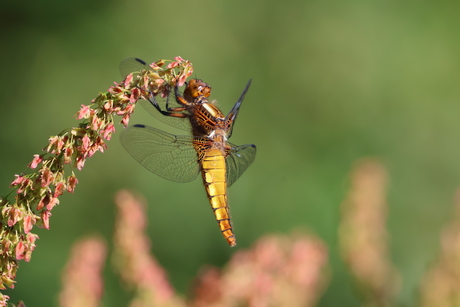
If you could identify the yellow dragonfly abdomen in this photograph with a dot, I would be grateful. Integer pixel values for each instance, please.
(213, 170)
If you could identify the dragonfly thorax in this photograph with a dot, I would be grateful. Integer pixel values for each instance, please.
(218, 136)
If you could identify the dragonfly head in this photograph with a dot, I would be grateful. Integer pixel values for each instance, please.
(196, 88)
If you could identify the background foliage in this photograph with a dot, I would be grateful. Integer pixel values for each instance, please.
(332, 82)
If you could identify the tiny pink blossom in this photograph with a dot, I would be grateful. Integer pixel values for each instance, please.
(20, 250)
(37, 159)
(5, 210)
(96, 123)
(8, 280)
(52, 141)
(68, 154)
(30, 246)
(31, 238)
(108, 106)
(135, 94)
(19, 180)
(109, 129)
(60, 187)
(128, 80)
(154, 66)
(46, 219)
(47, 177)
(60, 145)
(125, 120)
(123, 98)
(23, 183)
(157, 64)
(85, 112)
(6, 244)
(115, 89)
(86, 143)
(72, 182)
(182, 79)
(116, 110)
(100, 144)
(28, 256)
(172, 65)
(29, 222)
(55, 144)
(130, 108)
(146, 81)
(159, 82)
(53, 202)
(80, 162)
(14, 215)
(5, 298)
(179, 59)
(43, 201)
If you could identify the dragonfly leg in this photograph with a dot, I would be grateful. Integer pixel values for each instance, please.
(174, 112)
(179, 99)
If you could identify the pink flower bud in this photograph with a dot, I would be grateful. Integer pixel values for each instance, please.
(128, 80)
(29, 222)
(109, 129)
(20, 249)
(46, 219)
(72, 181)
(53, 202)
(47, 177)
(84, 112)
(60, 187)
(37, 159)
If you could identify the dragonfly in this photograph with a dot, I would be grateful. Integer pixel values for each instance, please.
(205, 150)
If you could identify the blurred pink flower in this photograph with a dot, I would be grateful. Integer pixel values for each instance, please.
(82, 278)
(441, 284)
(277, 271)
(363, 235)
(137, 267)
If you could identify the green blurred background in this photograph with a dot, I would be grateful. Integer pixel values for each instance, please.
(333, 81)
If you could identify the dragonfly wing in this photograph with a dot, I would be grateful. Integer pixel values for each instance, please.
(238, 160)
(131, 65)
(231, 116)
(169, 156)
(177, 122)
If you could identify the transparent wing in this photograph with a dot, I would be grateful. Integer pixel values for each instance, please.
(179, 123)
(169, 156)
(130, 65)
(231, 117)
(238, 160)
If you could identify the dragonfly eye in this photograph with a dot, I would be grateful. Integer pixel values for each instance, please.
(196, 88)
